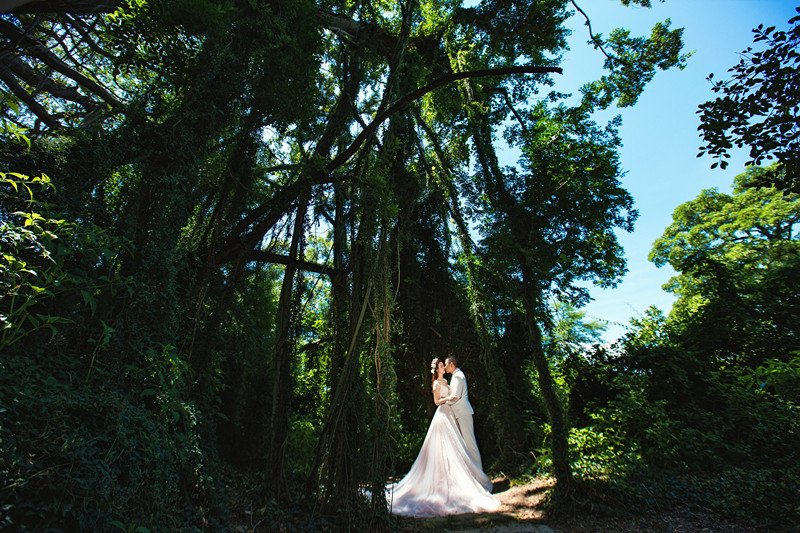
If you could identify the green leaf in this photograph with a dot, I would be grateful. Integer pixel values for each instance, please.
(90, 300)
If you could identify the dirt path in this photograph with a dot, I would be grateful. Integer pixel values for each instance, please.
(522, 512)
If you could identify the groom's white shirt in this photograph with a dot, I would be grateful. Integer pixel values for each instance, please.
(458, 388)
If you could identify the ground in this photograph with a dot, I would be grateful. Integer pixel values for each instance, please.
(523, 510)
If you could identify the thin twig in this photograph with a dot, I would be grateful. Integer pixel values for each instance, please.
(596, 40)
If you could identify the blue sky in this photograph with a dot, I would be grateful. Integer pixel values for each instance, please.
(659, 134)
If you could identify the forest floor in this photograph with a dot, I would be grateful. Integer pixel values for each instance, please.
(523, 510)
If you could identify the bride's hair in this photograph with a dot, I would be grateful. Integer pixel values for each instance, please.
(434, 368)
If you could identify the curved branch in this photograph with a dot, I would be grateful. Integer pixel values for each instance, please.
(40, 51)
(344, 156)
(80, 27)
(78, 7)
(452, 202)
(274, 207)
(24, 72)
(504, 92)
(281, 200)
(334, 22)
(596, 40)
(10, 5)
(284, 166)
(35, 107)
(270, 257)
(314, 172)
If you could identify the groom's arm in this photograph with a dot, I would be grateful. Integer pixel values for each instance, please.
(457, 386)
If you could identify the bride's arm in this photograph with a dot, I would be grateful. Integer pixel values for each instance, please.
(437, 399)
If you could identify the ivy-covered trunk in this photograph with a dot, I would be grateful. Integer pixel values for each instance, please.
(559, 430)
(282, 387)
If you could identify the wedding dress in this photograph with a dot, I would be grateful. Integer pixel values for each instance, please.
(443, 480)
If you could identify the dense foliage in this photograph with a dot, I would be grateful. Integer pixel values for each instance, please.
(707, 396)
(758, 107)
(234, 233)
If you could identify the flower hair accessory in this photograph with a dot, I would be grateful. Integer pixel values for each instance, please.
(434, 364)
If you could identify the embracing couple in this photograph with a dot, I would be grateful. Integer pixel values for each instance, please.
(447, 476)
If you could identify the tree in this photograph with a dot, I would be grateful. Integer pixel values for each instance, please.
(737, 260)
(550, 226)
(758, 108)
(570, 332)
(242, 125)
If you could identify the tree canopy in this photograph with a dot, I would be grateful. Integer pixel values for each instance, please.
(758, 107)
(737, 258)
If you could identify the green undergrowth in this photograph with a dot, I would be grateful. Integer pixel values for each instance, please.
(80, 456)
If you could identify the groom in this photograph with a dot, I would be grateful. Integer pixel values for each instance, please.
(461, 407)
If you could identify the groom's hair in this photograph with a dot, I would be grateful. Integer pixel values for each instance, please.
(451, 359)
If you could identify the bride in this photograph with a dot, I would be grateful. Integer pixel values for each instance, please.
(443, 480)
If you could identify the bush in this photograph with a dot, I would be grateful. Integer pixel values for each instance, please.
(75, 457)
(88, 442)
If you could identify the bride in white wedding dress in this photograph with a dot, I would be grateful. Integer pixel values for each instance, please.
(443, 480)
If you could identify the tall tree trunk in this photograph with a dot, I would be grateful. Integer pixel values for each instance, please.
(231, 200)
(282, 364)
(340, 295)
(559, 444)
(384, 386)
(340, 290)
(338, 451)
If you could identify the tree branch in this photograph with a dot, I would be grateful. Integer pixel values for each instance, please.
(597, 42)
(344, 156)
(451, 200)
(40, 51)
(504, 92)
(283, 198)
(278, 203)
(80, 27)
(270, 257)
(79, 7)
(35, 107)
(313, 173)
(24, 72)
